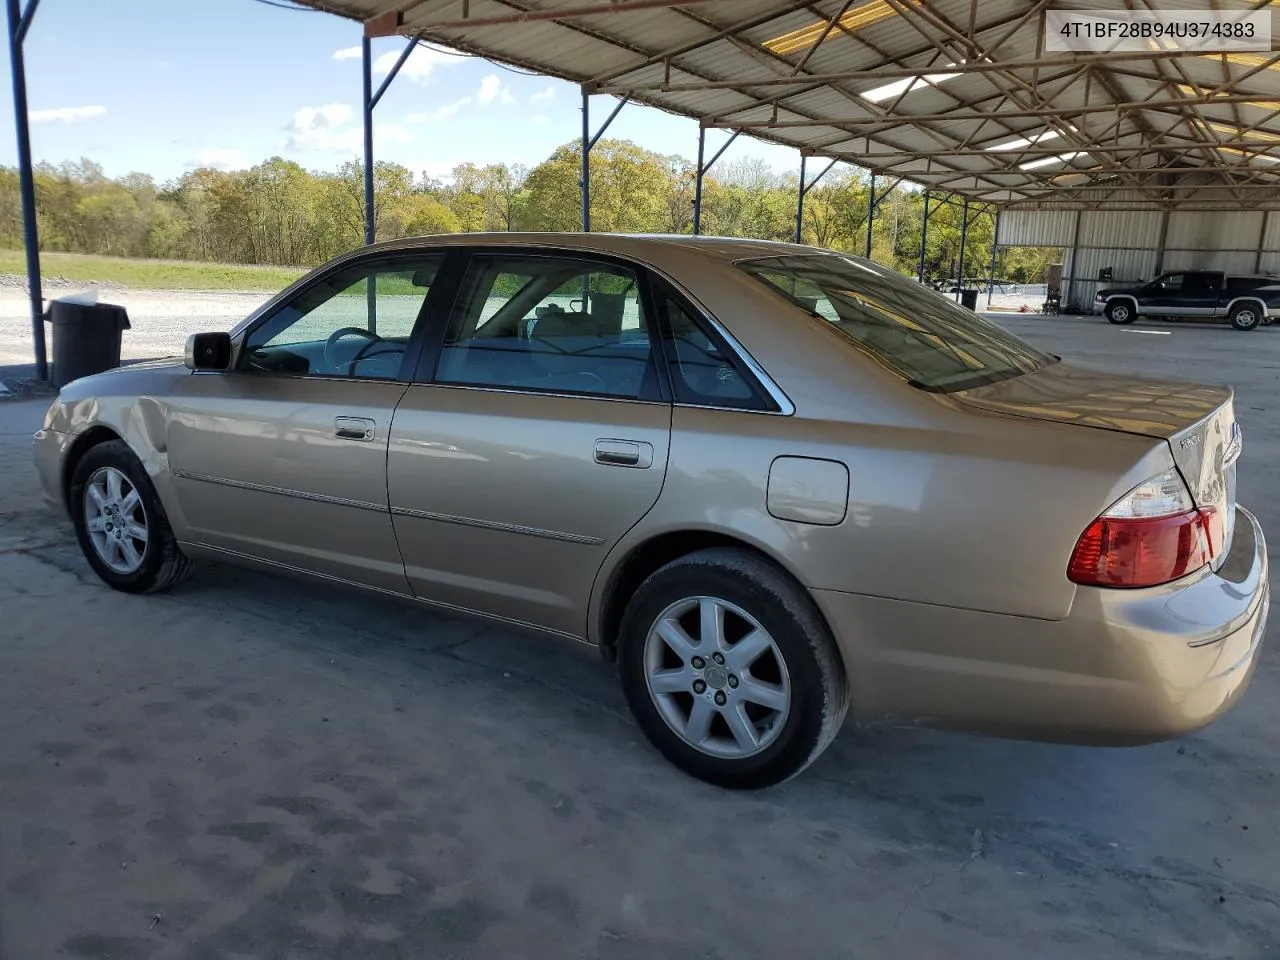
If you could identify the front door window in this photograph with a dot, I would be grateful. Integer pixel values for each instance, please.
(354, 323)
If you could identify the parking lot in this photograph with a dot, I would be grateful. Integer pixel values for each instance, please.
(266, 768)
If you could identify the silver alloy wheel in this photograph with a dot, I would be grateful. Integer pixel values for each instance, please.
(116, 520)
(1245, 317)
(717, 677)
(1120, 313)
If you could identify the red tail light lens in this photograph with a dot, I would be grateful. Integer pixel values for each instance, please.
(1141, 553)
(1150, 536)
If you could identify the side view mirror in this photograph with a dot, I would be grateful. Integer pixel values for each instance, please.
(208, 351)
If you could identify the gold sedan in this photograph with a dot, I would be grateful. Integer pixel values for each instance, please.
(775, 483)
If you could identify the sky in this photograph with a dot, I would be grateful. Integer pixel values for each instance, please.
(164, 86)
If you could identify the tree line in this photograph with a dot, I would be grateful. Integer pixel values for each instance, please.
(280, 213)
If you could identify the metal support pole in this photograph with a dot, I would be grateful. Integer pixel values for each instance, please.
(1160, 245)
(995, 247)
(702, 172)
(370, 214)
(18, 25)
(586, 162)
(871, 215)
(800, 201)
(1262, 241)
(1075, 247)
(924, 238)
(697, 183)
(588, 142)
(964, 235)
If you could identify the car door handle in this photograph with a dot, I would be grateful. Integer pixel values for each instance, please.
(353, 428)
(624, 453)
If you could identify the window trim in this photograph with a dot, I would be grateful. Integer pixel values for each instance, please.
(724, 342)
(372, 262)
(428, 366)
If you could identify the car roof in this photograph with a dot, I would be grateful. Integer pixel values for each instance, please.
(627, 244)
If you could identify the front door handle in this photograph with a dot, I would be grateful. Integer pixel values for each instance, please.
(354, 428)
(624, 453)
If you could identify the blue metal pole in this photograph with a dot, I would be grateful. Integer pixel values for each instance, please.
(370, 214)
(800, 202)
(924, 238)
(697, 182)
(586, 162)
(18, 25)
(995, 248)
(871, 214)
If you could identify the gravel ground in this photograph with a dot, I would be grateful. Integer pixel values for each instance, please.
(160, 320)
(253, 767)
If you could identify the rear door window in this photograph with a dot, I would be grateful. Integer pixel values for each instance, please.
(554, 324)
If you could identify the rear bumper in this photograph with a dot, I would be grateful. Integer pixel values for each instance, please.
(1124, 667)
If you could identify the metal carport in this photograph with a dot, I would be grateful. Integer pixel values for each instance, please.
(956, 96)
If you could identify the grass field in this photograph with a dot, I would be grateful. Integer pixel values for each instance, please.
(152, 274)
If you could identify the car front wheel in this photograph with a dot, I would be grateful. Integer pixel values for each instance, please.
(1119, 312)
(121, 524)
(729, 669)
(1246, 316)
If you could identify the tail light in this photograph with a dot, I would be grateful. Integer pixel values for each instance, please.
(1151, 535)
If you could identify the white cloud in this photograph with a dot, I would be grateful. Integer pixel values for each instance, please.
(328, 129)
(440, 113)
(420, 65)
(66, 114)
(219, 158)
(543, 96)
(538, 119)
(491, 89)
(313, 128)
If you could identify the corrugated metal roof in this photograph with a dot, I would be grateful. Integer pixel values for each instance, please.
(834, 78)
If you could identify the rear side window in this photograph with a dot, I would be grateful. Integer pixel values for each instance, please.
(923, 337)
(703, 372)
(1240, 284)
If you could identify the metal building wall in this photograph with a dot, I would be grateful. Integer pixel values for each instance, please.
(1129, 242)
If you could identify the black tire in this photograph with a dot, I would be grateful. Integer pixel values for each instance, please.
(163, 564)
(1246, 316)
(1120, 312)
(819, 689)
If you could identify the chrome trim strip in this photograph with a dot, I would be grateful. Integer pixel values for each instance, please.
(493, 525)
(529, 392)
(283, 491)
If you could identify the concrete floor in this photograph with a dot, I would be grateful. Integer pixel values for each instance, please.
(259, 768)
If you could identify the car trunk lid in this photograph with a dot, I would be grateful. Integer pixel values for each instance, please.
(1196, 420)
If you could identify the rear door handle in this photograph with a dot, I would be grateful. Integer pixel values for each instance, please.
(624, 453)
(354, 428)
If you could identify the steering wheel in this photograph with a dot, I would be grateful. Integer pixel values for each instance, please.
(330, 352)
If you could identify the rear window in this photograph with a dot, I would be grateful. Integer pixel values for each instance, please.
(930, 341)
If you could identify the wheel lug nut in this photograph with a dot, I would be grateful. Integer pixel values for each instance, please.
(720, 698)
(718, 657)
(698, 663)
(733, 682)
(699, 687)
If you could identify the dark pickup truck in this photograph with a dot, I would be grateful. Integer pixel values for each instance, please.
(1245, 301)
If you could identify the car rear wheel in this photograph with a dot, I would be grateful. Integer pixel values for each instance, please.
(1119, 312)
(121, 524)
(1246, 316)
(729, 669)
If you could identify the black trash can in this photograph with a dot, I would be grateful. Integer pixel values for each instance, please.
(969, 299)
(86, 338)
